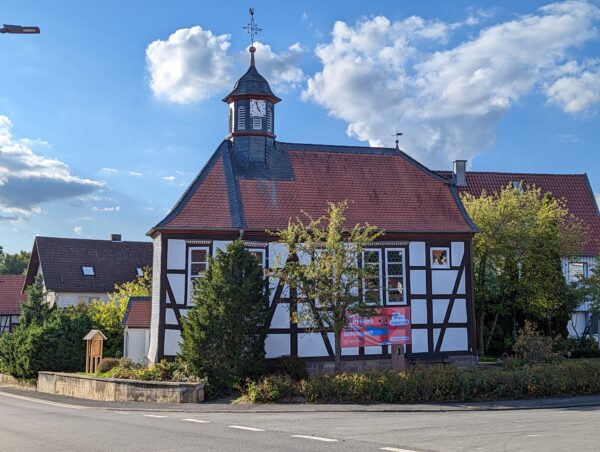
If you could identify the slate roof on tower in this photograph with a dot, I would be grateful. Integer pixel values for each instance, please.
(573, 189)
(385, 188)
(252, 82)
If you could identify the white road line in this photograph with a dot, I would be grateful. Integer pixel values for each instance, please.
(120, 412)
(396, 449)
(199, 421)
(316, 438)
(250, 429)
(158, 416)
(45, 402)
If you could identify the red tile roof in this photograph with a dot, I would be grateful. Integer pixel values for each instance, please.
(574, 189)
(138, 313)
(10, 294)
(384, 187)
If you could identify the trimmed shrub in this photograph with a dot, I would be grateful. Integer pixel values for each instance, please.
(435, 384)
(107, 364)
(288, 365)
(161, 371)
(534, 348)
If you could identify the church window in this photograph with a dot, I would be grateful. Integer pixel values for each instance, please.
(241, 121)
(257, 123)
(371, 264)
(394, 261)
(197, 264)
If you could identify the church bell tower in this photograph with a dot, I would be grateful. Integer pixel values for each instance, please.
(251, 112)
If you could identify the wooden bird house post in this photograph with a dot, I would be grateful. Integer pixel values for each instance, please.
(94, 344)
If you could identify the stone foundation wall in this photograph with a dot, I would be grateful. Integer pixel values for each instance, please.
(373, 365)
(9, 380)
(119, 390)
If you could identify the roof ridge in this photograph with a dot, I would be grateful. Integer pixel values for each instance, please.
(517, 172)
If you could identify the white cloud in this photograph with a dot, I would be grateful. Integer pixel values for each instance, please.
(194, 64)
(169, 178)
(106, 209)
(577, 92)
(378, 76)
(109, 171)
(191, 65)
(78, 230)
(28, 179)
(281, 70)
(135, 173)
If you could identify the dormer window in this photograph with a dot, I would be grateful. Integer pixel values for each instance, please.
(517, 185)
(88, 271)
(241, 120)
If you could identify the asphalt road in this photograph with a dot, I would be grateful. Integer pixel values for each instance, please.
(31, 424)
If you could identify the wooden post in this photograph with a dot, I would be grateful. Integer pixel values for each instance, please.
(398, 357)
(94, 346)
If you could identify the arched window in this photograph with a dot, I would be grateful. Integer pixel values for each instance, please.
(269, 120)
(241, 120)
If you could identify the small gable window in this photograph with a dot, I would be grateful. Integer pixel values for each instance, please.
(88, 271)
(517, 185)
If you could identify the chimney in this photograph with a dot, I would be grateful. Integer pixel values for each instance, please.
(115, 237)
(459, 170)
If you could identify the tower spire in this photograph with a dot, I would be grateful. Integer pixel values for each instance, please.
(252, 29)
(397, 135)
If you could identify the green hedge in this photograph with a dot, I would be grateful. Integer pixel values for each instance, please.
(434, 384)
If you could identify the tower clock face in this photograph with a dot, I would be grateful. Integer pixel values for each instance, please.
(258, 108)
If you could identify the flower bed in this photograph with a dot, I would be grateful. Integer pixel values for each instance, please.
(434, 384)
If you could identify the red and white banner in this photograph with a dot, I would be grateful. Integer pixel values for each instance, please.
(387, 327)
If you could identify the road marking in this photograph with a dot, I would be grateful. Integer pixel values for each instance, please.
(532, 436)
(250, 429)
(45, 402)
(158, 416)
(120, 412)
(199, 421)
(316, 438)
(396, 449)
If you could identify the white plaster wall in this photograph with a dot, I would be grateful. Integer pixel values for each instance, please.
(456, 253)
(455, 339)
(220, 245)
(156, 272)
(177, 283)
(277, 345)
(281, 317)
(64, 299)
(442, 281)
(136, 344)
(418, 284)
(172, 339)
(170, 318)
(418, 311)
(577, 323)
(439, 310)
(175, 254)
(459, 311)
(417, 253)
(419, 341)
(311, 344)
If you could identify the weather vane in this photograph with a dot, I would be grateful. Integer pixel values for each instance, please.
(397, 135)
(252, 29)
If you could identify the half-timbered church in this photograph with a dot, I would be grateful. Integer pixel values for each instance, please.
(253, 183)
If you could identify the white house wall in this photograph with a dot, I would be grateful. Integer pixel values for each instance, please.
(438, 299)
(136, 344)
(156, 292)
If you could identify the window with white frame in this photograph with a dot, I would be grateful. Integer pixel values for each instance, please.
(260, 255)
(197, 265)
(371, 264)
(87, 271)
(577, 270)
(394, 284)
(440, 257)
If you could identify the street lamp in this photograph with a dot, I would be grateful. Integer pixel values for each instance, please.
(20, 30)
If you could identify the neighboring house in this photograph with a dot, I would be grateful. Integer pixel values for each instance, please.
(577, 194)
(11, 297)
(253, 183)
(80, 270)
(136, 324)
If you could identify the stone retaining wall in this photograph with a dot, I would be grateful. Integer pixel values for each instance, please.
(9, 380)
(119, 390)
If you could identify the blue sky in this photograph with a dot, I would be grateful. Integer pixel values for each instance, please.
(107, 116)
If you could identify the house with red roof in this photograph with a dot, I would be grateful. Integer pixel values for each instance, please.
(11, 297)
(254, 183)
(578, 197)
(136, 328)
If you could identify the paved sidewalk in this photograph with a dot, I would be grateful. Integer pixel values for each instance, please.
(225, 406)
